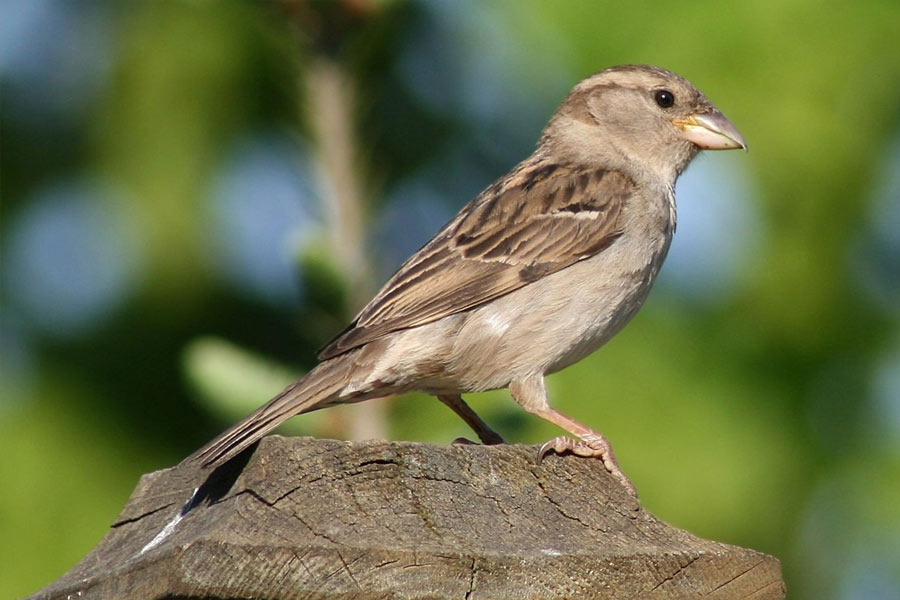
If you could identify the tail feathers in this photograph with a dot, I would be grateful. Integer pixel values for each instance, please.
(316, 390)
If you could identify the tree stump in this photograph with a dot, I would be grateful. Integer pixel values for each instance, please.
(322, 519)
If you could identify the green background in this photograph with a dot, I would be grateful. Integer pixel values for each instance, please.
(755, 400)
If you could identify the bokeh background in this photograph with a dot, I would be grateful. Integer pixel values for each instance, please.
(197, 195)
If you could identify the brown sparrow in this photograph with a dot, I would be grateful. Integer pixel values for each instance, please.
(538, 271)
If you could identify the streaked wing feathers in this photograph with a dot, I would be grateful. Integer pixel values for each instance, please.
(537, 220)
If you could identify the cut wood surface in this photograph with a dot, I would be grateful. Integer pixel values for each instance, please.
(322, 519)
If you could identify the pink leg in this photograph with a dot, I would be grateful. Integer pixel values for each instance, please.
(531, 394)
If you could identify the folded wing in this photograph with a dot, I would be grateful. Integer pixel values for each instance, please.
(537, 220)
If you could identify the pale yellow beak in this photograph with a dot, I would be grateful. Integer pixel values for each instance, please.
(711, 131)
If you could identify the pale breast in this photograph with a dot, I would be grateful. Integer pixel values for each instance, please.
(561, 318)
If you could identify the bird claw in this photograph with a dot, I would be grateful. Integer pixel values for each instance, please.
(461, 441)
(487, 439)
(563, 444)
(589, 447)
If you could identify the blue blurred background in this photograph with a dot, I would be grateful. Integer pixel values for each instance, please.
(196, 196)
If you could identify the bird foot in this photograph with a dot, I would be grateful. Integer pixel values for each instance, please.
(487, 439)
(461, 441)
(589, 446)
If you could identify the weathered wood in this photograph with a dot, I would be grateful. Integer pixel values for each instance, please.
(321, 519)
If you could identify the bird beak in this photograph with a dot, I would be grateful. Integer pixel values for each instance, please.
(710, 131)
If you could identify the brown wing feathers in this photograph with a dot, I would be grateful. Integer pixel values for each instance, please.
(537, 220)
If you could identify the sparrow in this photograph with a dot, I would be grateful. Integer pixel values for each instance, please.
(538, 271)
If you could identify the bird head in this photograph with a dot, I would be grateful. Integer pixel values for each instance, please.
(644, 120)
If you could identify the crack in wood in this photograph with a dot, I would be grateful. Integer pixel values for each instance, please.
(302, 562)
(556, 504)
(347, 568)
(735, 578)
(141, 516)
(779, 584)
(473, 570)
(680, 569)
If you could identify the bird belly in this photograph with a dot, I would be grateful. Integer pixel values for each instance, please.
(558, 320)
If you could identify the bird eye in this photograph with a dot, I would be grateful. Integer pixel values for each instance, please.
(664, 98)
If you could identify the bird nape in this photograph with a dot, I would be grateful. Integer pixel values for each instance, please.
(539, 270)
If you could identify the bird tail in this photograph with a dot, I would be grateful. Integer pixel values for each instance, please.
(318, 389)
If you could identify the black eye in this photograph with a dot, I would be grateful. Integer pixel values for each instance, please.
(664, 98)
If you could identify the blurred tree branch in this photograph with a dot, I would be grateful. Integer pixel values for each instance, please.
(331, 101)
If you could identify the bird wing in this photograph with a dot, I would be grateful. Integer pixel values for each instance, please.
(539, 219)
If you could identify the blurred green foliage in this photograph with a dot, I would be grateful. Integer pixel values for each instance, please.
(761, 419)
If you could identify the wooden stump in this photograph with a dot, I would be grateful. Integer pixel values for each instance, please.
(322, 519)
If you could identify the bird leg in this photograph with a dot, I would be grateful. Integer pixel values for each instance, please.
(482, 430)
(531, 395)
